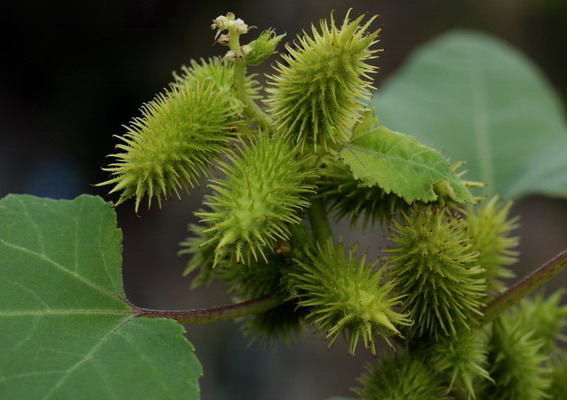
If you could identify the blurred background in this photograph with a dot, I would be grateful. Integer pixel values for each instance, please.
(72, 72)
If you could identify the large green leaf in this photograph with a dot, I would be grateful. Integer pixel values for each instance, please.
(399, 164)
(67, 330)
(482, 102)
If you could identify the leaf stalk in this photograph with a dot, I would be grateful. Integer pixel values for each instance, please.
(205, 315)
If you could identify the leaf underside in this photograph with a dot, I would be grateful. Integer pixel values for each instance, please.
(482, 102)
(68, 331)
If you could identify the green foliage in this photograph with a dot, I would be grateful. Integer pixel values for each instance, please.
(253, 207)
(400, 378)
(317, 92)
(259, 50)
(355, 200)
(381, 157)
(346, 296)
(433, 265)
(68, 331)
(484, 103)
(463, 358)
(517, 362)
(489, 230)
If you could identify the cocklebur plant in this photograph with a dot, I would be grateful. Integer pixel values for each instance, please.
(305, 153)
(276, 161)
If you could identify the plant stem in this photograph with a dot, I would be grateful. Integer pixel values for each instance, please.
(250, 107)
(222, 313)
(319, 221)
(524, 287)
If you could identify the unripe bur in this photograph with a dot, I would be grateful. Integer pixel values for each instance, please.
(518, 364)
(259, 50)
(400, 378)
(180, 134)
(489, 230)
(317, 94)
(433, 264)
(345, 296)
(463, 359)
(262, 195)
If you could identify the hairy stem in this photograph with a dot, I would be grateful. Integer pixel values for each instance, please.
(319, 221)
(524, 287)
(204, 315)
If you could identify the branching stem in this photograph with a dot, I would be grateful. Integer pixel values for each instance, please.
(204, 315)
(524, 287)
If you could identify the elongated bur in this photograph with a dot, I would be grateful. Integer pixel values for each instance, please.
(262, 195)
(433, 264)
(489, 230)
(317, 93)
(180, 133)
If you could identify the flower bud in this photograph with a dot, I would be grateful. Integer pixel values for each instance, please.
(258, 51)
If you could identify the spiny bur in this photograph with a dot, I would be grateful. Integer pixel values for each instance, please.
(434, 265)
(517, 362)
(248, 282)
(547, 318)
(179, 135)
(220, 74)
(317, 94)
(463, 359)
(489, 230)
(345, 296)
(263, 194)
(259, 50)
(400, 378)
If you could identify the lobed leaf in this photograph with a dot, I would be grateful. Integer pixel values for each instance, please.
(401, 165)
(68, 331)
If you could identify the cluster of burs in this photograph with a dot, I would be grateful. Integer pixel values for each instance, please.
(279, 156)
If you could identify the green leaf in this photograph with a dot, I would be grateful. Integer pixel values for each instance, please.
(481, 101)
(68, 331)
(400, 164)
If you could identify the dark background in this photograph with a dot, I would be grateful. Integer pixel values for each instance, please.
(72, 72)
